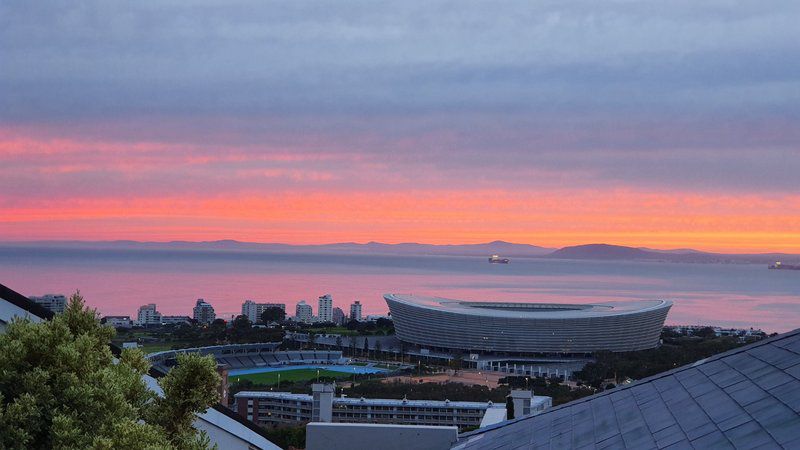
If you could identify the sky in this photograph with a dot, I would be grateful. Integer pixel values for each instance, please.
(660, 124)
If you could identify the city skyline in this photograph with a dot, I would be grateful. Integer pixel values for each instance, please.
(646, 124)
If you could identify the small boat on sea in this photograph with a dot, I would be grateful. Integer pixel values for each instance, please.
(779, 266)
(496, 259)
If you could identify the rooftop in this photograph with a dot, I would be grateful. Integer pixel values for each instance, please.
(380, 401)
(746, 398)
(530, 310)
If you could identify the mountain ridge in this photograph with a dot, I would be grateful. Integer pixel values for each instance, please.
(595, 251)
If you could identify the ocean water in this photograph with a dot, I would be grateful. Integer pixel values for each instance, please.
(118, 281)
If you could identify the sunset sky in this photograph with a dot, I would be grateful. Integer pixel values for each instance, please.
(661, 124)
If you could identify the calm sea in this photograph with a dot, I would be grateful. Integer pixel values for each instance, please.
(118, 281)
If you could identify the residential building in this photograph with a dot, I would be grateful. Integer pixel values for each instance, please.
(283, 408)
(117, 321)
(355, 310)
(148, 315)
(253, 310)
(54, 302)
(175, 320)
(338, 316)
(304, 312)
(325, 310)
(203, 312)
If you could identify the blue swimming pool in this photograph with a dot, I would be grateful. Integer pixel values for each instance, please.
(334, 367)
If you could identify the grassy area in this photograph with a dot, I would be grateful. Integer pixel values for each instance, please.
(358, 363)
(289, 375)
(384, 366)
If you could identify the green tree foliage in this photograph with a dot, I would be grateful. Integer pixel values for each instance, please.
(288, 437)
(273, 314)
(60, 389)
(240, 329)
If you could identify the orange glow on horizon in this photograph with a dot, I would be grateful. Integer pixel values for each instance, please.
(548, 219)
(306, 210)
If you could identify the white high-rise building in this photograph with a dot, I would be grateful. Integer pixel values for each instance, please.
(254, 310)
(148, 315)
(325, 310)
(54, 302)
(203, 312)
(304, 312)
(355, 310)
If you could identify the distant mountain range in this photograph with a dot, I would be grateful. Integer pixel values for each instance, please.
(618, 252)
(506, 249)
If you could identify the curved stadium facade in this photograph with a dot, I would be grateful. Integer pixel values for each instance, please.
(527, 328)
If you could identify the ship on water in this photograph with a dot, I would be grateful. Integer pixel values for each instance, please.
(779, 266)
(496, 259)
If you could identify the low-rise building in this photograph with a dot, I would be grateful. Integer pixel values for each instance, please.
(117, 321)
(203, 312)
(175, 320)
(54, 302)
(284, 408)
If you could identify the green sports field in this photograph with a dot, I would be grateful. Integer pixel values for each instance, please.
(288, 375)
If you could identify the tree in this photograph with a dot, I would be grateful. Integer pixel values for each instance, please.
(339, 342)
(456, 363)
(366, 347)
(240, 328)
(377, 349)
(706, 333)
(273, 314)
(60, 388)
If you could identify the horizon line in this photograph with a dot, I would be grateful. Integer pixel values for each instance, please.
(496, 241)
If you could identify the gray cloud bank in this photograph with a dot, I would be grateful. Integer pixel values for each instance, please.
(702, 95)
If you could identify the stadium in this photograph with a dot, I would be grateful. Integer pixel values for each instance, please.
(527, 328)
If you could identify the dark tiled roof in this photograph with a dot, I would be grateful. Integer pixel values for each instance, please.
(747, 398)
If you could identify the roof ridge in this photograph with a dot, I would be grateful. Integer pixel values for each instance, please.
(25, 303)
(649, 379)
